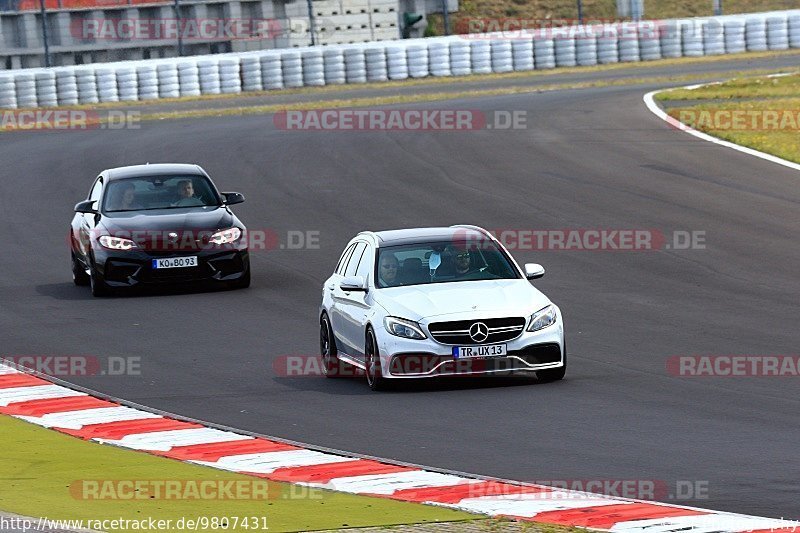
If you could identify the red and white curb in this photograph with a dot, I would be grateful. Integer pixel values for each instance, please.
(90, 417)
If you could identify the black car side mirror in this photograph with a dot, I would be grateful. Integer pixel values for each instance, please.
(233, 198)
(87, 206)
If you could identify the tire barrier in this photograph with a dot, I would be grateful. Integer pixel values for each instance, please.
(66, 85)
(333, 58)
(375, 59)
(439, 58)
(188, 78)
(460, 57)
(544, 53)
(230, 78)
(355, 65)
(522, 53)
(234, 73)
(251, 73)
(46, 93)
(481, 55)
(128, 84)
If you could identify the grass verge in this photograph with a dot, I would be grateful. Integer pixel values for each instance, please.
(45, 473)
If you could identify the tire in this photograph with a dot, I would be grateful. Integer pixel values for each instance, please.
(332, 367)
(98, 286)
(79, 275)
(553, 374)
(374, 373)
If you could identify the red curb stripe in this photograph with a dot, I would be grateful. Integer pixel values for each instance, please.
(9, 381)
(216, 451)
(456, 493)
(325, 473)
(608, 515)
(40, 408)
(117, 430)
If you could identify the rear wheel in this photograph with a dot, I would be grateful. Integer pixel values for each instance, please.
(375, 378)
(554, 374)
(331, 365)
(79, 275)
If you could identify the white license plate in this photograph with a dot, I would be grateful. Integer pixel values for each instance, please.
(489, 350)
(175, 262)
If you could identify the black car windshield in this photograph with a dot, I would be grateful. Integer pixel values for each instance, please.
(438, 262)
(159, 192)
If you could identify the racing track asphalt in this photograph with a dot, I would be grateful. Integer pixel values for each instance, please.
(588, 159)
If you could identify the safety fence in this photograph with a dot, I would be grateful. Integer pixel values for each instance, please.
(459, 55)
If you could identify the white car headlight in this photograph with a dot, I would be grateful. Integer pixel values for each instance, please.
(543, 318)
(116, 243)
(403, 328)
(226, 236)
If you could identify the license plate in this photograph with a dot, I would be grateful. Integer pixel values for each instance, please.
(489, 350)
(175, 262)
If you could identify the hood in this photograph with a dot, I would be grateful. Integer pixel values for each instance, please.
(463, 300)
(177, 219)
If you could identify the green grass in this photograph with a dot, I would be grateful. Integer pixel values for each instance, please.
(759, 98)
(39, 467)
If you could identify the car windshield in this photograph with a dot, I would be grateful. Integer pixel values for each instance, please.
(159, 192)
(439, 262)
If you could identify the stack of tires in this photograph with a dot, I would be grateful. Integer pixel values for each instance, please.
(271, 70)
(333, 58)
(417, 55)
(355, 65)
(460, 58)
(189, 78)
(755, 34)
(251, 73)
(692, 37)
(735, 41)
(502, 58)
(26, 89)
(714, 38)
(313, 67)
(147, 77)
(608, 44)
(439, 58)
(544, 53)
(481, 54)
(128, 84)
(778, 33)
(208, 76)
(396, 62)
(87, 86)
(66, 85)
(168, 82)
(586, 46)
(670, 32)
(375, 60)
(649, 40)
(230, 80)
(46, 95)
(8, 93)
(107, 84)
(794, 31)
(628, 42)
(522, 52)
(565, 51)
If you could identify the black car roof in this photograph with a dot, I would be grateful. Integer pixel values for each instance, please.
(160, 169)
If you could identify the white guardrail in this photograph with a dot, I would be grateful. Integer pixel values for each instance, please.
(456, 55)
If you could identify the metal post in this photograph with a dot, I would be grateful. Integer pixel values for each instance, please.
(580, 12)
(312, 27)
(177, 7)
(43, 12)
(445, 18)
(717, 8)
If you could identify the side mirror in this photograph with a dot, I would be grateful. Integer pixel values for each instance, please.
(233, 198)
(533, 271)
(87, 206)
(353, 284)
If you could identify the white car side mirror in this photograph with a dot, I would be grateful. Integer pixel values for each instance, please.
(353, 284)
(533, 271)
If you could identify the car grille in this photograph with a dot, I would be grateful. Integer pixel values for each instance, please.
(420, 364)
(457, 332)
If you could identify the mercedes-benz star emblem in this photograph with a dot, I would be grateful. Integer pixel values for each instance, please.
(479, 332)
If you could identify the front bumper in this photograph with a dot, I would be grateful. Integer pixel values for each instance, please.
(134, 267)
(531, 351)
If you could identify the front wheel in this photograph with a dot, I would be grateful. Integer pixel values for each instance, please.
(79, 275)
(98, 286)
(332, 367)
(554, 374)
(375, 378)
